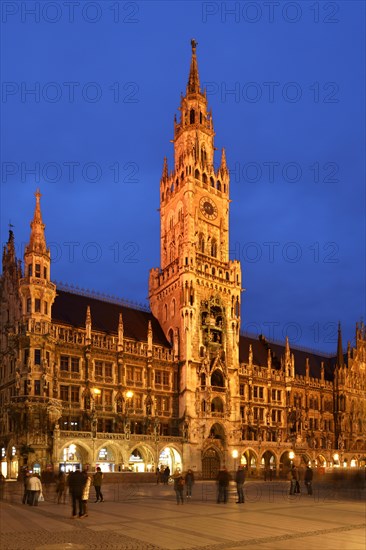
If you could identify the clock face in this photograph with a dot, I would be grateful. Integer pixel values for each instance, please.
(208, 208)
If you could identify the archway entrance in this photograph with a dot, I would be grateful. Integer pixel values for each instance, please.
(170, 457)
(210, 464)
(249, 460)
(268, 465)
(71, 459)
(105, 460)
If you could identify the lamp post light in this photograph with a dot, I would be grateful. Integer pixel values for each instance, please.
(291, 456)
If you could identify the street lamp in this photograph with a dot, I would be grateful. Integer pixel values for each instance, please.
(291, 455)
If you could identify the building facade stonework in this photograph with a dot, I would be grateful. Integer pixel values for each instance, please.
(85, 380)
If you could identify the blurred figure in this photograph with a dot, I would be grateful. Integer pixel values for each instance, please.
(2, 486)
(61, 487)
(85, 495)
(189, 481)
(295, 485)
(76, 481)
(97, 482)
(223, 479)
(26, 495)
(166, 475)
(34, 490)
(178, 486)
(308, 479)
(157, 473)
(239, 479)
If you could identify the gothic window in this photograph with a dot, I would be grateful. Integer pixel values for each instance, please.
(217, 405)
(37, 305)
(37, 387)
(45, 305)
(29, 305)
(203, 380)
(212, 181)
(191, 116)
(45, 272)
(75, 394)
(64, 393)
(171, 222)
(171, 256)
(38, 270)
(201, 243)
(218, 186)
(37, 356)
(170, 333)
(217, 379)
(173, 310)
(197, 174)
(214, 248)
(200, 117)
(204, 178)
(74, 364)
(213, 271)
(203, 154)
(108, 370)
(165, 312)
(98, 368)
(30, 270)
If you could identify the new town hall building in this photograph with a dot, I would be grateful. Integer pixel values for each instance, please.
(86, 382)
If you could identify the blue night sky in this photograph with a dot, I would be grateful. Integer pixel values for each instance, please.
(286, 87)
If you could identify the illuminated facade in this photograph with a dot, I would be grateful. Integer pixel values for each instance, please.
(86, 381)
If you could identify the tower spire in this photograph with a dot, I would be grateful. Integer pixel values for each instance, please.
(37, 241)
(193, 86)
(340, 360)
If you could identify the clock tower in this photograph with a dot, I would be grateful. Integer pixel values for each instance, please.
(195, 294)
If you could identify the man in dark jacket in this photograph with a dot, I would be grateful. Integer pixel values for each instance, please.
(76, 482)
(239, 479)
(223, 479)
(309, 480)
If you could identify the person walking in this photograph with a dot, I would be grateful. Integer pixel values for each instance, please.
(97, 482)
(76, 481)
(223, 479)
(189, 482)
(85, 495)
(178, 486)
(294, 478)
(2, 486)
(166, 475)
(239, 479)
(157, 473)
(34, 490)
(308, 479)
(26, 492)
(61, 487)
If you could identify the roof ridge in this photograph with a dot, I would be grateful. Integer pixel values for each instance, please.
(75, 289)
(293, 346)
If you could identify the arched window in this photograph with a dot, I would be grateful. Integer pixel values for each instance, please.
(218, 186)
(200, 117)
(204, 178)
(171, 336)
(203, 380)
(197, 174)
(201, 243)
(173, 308)
(212, 181)
(217, 405)
(217, 379)
(191, 116)
(214, 248)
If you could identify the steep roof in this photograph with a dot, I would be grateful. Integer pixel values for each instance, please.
(70, 308)
(260, 347)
